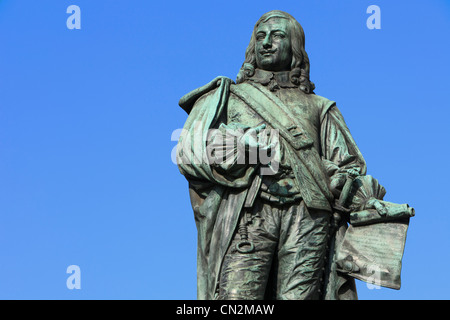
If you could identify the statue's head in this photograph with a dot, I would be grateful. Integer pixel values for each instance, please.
(278, 44)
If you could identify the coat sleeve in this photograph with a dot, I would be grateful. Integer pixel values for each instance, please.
(339, 150)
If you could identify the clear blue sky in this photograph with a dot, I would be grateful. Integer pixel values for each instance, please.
(86, 118)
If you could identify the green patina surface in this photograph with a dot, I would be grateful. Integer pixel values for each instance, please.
(275, 177)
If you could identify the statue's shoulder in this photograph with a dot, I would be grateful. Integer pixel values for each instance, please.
(322, 104)
(319, 101)
(188, 100)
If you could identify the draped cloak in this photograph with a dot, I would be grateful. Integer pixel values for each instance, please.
(319, 159)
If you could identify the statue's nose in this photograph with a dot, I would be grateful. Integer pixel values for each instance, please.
(267, 43)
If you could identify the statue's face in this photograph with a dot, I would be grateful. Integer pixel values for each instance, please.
(273, 45)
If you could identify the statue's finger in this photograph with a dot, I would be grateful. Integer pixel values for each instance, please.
(259, 128)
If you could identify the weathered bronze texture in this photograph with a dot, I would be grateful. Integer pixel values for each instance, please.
(282, 203)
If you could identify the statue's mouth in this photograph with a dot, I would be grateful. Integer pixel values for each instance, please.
(267, 52)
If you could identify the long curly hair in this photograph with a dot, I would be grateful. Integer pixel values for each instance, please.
(299, 74)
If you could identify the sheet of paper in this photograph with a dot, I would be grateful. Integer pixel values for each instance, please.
(377, 249)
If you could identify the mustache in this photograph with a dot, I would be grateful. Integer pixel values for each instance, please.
(263, 51)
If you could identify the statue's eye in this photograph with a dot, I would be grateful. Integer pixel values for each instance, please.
(279, 35)
(260, 36)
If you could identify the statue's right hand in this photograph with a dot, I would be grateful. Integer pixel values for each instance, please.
(250, 138)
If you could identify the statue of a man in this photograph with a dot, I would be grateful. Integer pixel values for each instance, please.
(266, 228)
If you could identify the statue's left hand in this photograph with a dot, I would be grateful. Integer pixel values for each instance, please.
(373, 203)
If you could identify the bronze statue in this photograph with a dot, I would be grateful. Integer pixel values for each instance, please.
(278, 186)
